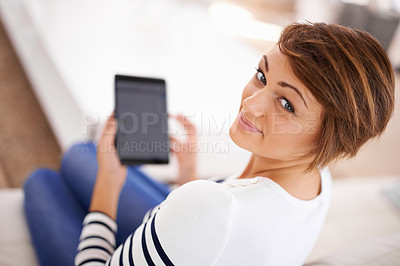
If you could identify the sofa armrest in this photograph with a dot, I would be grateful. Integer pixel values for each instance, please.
(15, 243)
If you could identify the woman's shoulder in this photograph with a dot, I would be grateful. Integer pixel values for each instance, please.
(194, 220)
(202, 194)
(199, 204)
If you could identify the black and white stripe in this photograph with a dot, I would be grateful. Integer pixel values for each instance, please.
(150, 213)
(220, 180)
(157, 244)
(97, 240)
(97, 243)
(149, 249)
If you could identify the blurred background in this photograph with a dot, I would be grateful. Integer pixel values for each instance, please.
(58, 60)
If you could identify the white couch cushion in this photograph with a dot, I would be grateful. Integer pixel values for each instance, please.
(15, 243)
(384, 251)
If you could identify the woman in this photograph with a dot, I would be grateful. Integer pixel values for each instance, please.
(318, 96)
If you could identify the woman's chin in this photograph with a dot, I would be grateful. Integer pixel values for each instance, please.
(233, 129)
(233, 133)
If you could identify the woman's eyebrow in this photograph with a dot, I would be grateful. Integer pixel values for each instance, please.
(284, 84)
(265, 62)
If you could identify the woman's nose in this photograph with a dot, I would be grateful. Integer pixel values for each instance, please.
(255, 104)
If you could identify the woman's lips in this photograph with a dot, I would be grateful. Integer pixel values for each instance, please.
(247, 125)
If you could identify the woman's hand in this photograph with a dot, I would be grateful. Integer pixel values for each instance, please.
(185, 151)
(110, 167)
(111, 174)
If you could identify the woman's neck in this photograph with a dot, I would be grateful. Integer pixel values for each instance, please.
(271, 168)
(288, 174)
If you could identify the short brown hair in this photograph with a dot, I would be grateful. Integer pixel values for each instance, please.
(350, 75)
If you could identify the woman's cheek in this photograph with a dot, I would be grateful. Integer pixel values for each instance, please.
(283, 124)
(296, 127)
(279, 124)
(311, 123)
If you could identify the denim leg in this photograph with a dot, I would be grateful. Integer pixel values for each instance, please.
(140, 192)
(136, 198)
(54, 218)
(79, 170)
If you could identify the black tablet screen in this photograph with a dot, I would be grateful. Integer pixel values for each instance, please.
(142, 135)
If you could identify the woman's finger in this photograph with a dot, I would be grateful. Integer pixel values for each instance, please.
(189, 127)
(109, 130)
(111, 125)
(177, 145)
(175, 142)
(174, 139)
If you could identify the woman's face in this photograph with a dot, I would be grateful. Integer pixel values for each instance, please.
(285, 115)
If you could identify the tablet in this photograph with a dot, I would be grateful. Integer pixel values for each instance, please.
(141, 112)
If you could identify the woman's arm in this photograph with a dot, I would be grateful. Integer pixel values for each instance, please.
(186, 152)
(111, 174)
(97, 240)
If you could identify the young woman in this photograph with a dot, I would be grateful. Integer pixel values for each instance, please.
(318, 96)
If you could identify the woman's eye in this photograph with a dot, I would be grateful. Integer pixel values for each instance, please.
(286, 104)
(260, 76)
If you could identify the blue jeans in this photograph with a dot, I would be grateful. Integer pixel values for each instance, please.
(56, 203)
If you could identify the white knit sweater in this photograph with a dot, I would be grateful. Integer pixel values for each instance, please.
(251, 221)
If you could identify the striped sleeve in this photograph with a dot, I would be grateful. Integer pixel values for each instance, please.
(97, 240)
(191, 227)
